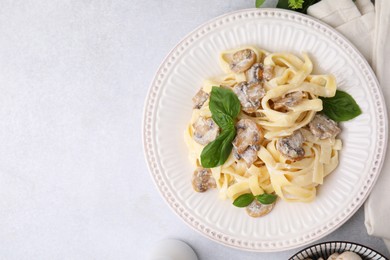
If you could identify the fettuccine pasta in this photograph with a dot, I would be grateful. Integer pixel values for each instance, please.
(283, 144)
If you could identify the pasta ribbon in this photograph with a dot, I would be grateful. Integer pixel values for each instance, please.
(290, 102)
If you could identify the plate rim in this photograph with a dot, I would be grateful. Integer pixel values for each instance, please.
(151, 101)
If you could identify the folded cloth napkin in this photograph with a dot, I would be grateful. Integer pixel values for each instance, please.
(369, 29)
(377, 207)
(354, 21)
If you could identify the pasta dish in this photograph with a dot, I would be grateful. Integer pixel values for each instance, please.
(258, 131)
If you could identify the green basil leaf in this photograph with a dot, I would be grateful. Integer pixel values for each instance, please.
(341, 107)
(216, 152)
(266, 198)
(224, 121)
(259, 3)
(243, 200)
(223, 102)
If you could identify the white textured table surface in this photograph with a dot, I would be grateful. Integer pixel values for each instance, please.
(73, 180)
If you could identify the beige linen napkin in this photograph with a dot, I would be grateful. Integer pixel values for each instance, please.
(354, 21)
(377, 207)
(369, 29)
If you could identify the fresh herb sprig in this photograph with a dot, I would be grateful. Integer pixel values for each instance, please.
(341, 107)
(225, 107)
(295, 5)
(247, 198)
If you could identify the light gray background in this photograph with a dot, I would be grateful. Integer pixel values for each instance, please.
(73, 180)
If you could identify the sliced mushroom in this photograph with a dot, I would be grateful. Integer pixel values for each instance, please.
(202, 180)
(268, 72)
(323, 127)
(199, 99)
(250, 95)
(248, 134)
(256, 209)
(255, 73)
(291, 146)
(205, 130)
(290, 100)
(242, 60)
(249, 155)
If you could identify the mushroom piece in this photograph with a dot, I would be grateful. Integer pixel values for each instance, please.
(255, 73)
(333, 256)
(250, 95)
(242, 60)
(205, 130)
(291, 146)
(249, 155)
(248, 134)
(256, 209)
(199, 99)
(290, 100)
(202, 180)
(323, 127)
(247, 142)
(268, 72)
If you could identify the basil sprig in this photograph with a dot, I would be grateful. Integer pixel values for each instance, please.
(224, 106)
(247, 198)
(341, 107)
(295, 5)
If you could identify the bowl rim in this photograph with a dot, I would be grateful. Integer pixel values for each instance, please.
(335, 242)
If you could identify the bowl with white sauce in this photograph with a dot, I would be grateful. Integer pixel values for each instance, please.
(337, 250)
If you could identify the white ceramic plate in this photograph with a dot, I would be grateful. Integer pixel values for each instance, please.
(168, 109)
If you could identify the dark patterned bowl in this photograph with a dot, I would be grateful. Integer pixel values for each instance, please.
(324, 250)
